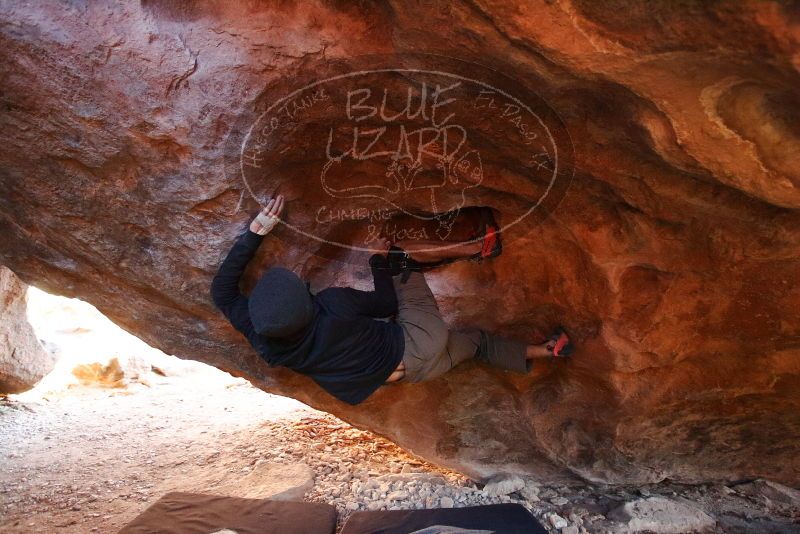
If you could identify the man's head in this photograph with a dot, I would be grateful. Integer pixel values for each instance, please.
(280, 304)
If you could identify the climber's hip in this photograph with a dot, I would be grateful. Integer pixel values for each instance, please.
(432, 349)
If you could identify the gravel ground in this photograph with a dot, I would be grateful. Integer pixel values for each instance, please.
(87, 455)
(92, 459)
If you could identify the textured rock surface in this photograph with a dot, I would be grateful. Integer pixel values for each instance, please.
(678, 241)
(659, 514)
(287, 482)
(23, 360)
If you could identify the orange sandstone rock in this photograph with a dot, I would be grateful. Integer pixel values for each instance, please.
(670, 247)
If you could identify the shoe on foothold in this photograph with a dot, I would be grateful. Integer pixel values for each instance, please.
(560, 344)
(491, 246)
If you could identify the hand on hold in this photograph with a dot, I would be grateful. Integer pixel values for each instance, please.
(268, 217)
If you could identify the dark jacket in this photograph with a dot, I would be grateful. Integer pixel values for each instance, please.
(345, 349)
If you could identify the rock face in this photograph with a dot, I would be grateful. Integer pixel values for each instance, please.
(280, 482)
(23, 360)
(643, 163)
(658, 514)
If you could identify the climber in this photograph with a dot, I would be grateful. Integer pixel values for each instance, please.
(343, 338)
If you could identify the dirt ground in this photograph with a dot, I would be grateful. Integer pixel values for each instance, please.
(94, 459)
(118, 424)
(90, 459)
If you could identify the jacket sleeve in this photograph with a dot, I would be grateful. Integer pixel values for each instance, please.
(225, 290)
(382, 301)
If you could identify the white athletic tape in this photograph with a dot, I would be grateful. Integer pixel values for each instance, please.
(267, 223)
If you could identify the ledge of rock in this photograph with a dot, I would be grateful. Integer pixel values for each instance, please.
(669, 247)
(23, 360)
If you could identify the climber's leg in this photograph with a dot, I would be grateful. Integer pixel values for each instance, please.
(485, 244)
(433, 251)
(424, 331)
(431, 349)
(505, 353)
(544, 350)
(497, 351)
(460, 346)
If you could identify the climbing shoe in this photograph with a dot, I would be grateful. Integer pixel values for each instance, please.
(560, 344)
(491, 246)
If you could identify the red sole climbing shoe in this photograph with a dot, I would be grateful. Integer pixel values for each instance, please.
(491, 246)
(561, 346)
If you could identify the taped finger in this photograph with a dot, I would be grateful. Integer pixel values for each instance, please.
(267, 223)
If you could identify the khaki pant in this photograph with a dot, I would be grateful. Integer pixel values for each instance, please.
(432, 349)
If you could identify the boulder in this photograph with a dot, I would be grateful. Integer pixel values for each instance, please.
(771, 493)
(642, 162)
(23, 360)
(660, 515)
(557, 522)
(118, 371)
(503, 484)
(277, 482)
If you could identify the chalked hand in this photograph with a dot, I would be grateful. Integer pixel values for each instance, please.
(268, 217)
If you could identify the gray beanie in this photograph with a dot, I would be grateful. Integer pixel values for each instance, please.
(280, 304)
